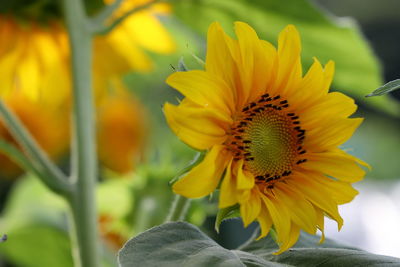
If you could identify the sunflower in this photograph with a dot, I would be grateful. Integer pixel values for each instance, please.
(34, 62)
(269, 133)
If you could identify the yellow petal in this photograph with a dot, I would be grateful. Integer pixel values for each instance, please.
(250, 209)
(219, 61)
(289, 48)
(203, 178)
(228, 192)
(333, 106)
(124, 50)
(245, 179)
(279, 216)
(329, 72)
(265, 221)
(312, 191)
(199, 128)
(293, 237)
(257, 60)
(204, 89)
(331, 135)
(320, 223)
(269, 71)
(248, 40)
(147, 31)
(341, 192)
(310, 88)
(337, 164)
(27, 74)
(301, 211)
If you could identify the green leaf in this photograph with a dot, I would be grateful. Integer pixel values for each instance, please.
(332, 257)
(308, 252)
(358, 70)
(387, 88)
(37, 246)
(267, 245)
(31, 202)
(182, 244)
(226, 213)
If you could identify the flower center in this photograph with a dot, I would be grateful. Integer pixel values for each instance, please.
(268, 138)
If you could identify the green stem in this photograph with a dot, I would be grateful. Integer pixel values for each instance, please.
(83, 155)
(179, 209)
(47, 171)
(18, 157)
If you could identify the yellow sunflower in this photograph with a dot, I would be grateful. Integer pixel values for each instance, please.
(34, 55)
(269, 133)
(34, 61)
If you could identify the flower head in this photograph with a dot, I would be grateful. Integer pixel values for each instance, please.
(270, 132)
(34, 56)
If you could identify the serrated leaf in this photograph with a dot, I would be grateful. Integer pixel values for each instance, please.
(358, 70)
(182, 244)
(308, 252)
(226, 213)
(386, 88)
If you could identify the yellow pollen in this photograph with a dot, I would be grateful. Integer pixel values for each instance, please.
(268, 138)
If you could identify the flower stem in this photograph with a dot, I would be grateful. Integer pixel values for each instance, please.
(179, 209)
(46, 170)
(83, 155)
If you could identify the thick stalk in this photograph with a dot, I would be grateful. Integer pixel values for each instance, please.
(83, 157)
(179, 209)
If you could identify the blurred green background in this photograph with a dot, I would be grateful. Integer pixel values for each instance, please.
(361, 36)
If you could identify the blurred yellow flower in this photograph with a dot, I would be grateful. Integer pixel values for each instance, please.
(47, 126)
(121, 131)
(270, 132)
(34, 56)
(34, 62)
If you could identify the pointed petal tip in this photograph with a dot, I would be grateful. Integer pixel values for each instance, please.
(291, 29)
(244, 28)
(214, 26)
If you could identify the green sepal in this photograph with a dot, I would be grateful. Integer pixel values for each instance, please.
(197, 159)
(226, 213)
